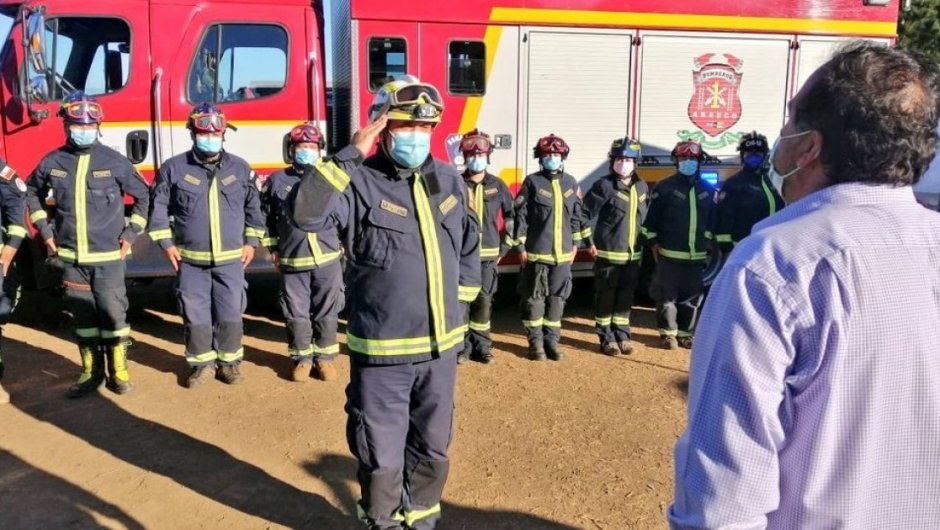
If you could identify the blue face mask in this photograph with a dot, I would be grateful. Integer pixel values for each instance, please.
(83, 137)
(688, 167)
(209, 145)
(306, 157)
(476, 164)
(551, 163)
(410, 149)
(753, 160)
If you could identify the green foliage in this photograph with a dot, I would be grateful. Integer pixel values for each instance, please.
(919, 28)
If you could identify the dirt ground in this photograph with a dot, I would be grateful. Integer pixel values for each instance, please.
(585, 443)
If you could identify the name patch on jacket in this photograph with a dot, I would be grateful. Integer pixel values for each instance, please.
(58, 173)
(192, 180)
(569, 193)
(104, 173)
(679, 194)
(545, 193)
(448, 204)
(394, 208)
(703, 195)
(623, 196)
(228, 180)
(7, 173)
(490, 191)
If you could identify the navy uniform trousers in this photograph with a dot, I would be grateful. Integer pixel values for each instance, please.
(677, 289)
(310, 302)
(212, 299)
(614, 289)
(96, 295)
(410, 408)
(478, 334)
(544, 289)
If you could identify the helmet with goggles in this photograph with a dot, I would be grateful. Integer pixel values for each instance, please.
(476, 142)
(688, 149)
(306, 133)
(549, 145)
(408, 99)
(79, 108)
(206, 118)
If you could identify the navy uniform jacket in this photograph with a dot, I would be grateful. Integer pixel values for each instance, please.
(491, 197)
(745, 198)
(215, 207)
(297, 250)
(679, 217)
(620, 208)
(549, 218)
(88, 186)
(413, 252)
(12, 206)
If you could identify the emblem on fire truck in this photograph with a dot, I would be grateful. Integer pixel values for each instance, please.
(715, 105)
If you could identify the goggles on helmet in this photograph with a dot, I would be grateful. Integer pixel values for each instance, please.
(419, 101)
(688, 149)
(83, 111)
(476, 144)
(552, 144)
(209, 122)
(306, 134)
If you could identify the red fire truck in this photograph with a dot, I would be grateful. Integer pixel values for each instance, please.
(148, 62)
(591, 71)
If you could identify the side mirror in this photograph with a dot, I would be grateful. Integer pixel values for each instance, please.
(36, 39)
(39, 88)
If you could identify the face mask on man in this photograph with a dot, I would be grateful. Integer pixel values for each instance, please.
(777, 178)
(753, 160)
(409, 149)
(207, 144)
(477, 164)
(624, 167)
(551, 162)
(688, 167)
(306, 157)
(83, 137)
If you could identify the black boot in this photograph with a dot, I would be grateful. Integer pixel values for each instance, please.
(554, 351)
(537, 350)
(92, 371)
(119, 381)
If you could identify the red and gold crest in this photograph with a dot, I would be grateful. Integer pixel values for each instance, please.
(716, 104)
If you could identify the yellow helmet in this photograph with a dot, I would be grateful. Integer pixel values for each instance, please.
(407, 99)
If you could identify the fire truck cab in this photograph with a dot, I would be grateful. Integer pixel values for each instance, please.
(148, 62)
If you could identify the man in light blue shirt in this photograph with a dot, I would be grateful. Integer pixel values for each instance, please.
(814, 396)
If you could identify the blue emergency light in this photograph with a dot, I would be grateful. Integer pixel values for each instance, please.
(710, 177)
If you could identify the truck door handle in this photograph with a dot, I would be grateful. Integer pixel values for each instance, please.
(137, 145)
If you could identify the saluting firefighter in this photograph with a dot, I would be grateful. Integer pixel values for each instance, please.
(549, 228)
(213, 198)
(311, 272)
(413, 250)
(747, 196)
(490, 198)
(89, 234)
(12, 214)
(677, 228)
(619, 202)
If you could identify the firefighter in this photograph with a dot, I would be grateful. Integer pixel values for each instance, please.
(549, 227)
(747, 196)
(678, 232)
(213, 198)
(12, 214)
(489, 197)
(619, 202)
(89, 236)
(414, 264)
(311, 273)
